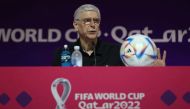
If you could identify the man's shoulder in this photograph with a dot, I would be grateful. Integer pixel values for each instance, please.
(108, 48)
(110, 45)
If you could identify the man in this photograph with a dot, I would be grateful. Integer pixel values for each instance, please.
(86, 22)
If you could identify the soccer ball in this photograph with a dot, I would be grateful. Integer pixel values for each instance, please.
(138, 50)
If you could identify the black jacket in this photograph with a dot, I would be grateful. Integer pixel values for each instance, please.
(106, 54)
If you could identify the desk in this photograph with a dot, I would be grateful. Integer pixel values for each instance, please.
(95, 87)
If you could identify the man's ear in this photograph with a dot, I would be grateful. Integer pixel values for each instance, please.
(75, 26)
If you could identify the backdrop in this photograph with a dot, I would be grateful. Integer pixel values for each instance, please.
(31, 31)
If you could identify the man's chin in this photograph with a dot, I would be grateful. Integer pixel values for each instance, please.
(92, 37)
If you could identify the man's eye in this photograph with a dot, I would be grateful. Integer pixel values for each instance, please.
(87, 20)
(96, 20)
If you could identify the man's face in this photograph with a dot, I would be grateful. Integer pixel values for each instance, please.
(88, 25)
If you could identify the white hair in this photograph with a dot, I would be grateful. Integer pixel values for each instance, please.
(86, 7)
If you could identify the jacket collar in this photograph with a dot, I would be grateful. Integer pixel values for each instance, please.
(97, 47)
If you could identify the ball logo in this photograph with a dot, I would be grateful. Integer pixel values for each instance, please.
(138, 50)
(60, 100)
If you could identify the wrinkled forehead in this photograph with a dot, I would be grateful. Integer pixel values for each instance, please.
(88, 14)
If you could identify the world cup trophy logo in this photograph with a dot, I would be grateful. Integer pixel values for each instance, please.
(60, 100)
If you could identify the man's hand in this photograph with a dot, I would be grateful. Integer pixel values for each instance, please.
(160, 61)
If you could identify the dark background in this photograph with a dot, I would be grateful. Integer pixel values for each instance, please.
(157, 15)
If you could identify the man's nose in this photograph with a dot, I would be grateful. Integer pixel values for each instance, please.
(92, 23)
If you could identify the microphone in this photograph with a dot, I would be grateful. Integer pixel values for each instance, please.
(94, 50)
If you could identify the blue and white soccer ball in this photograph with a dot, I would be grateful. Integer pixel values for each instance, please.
(138, 50)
